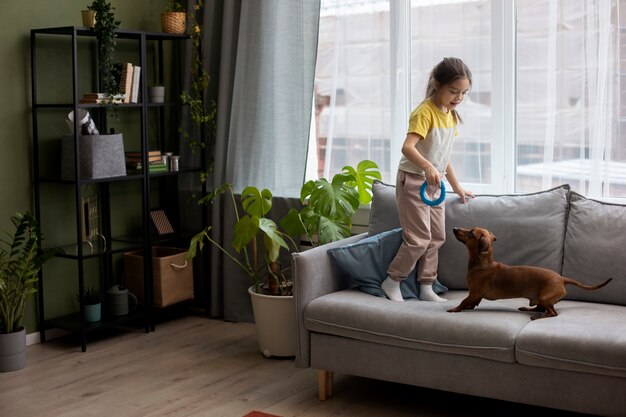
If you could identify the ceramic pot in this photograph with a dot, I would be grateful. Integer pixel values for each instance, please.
(93, 312)
(275, 320)
(157, 94)
(13, 351)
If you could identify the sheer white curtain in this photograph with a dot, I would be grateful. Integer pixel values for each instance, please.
(567, 97)
(352, 84)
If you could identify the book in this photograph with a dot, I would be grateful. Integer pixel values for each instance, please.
(126, 80)
(134, 94)
(138, 153)
(138, 159)
(153, 167)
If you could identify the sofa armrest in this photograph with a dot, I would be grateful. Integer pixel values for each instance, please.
(314, 275)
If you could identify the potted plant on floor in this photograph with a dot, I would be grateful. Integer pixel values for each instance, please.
(257, 241)
(21, 258)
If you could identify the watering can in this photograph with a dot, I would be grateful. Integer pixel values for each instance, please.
(119, 301)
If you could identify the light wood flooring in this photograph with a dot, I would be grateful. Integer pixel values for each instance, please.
(193, 366)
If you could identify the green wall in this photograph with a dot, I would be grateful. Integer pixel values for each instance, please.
(16, 20)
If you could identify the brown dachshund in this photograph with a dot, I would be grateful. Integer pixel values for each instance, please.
(494, 280)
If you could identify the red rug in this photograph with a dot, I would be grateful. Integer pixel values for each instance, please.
(259, 414)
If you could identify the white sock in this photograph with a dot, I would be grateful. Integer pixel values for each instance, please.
(392, 289)
(427, 293)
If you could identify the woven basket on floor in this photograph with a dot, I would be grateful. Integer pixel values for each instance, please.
(173, 22)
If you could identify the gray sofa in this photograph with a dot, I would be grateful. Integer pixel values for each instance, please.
(575, 361)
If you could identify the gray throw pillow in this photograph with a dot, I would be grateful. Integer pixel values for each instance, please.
(594, 243)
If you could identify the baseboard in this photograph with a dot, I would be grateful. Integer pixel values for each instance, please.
(34, 338)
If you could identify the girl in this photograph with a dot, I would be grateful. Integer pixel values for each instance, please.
(426, 157)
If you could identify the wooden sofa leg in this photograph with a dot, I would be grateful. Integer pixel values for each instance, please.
(325, 384)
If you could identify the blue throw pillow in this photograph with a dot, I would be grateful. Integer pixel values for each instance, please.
(366, 262)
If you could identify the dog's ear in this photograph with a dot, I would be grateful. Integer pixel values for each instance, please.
(483, 245)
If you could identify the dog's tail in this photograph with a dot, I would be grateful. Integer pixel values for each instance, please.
(585, 286)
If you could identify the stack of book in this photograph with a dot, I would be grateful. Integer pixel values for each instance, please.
(155, 162)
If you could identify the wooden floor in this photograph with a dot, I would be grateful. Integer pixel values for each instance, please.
(193, 366)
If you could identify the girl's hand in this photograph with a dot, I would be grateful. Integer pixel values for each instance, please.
(433, 178)
(463, 194)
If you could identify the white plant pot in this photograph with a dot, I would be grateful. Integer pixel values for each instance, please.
(275, 320)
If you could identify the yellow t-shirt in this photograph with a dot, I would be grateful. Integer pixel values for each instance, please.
(438, 130)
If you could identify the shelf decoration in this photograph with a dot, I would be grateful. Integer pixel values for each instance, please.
(161, 223)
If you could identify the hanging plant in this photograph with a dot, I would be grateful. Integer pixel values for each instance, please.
(202, 110)
(105, 28)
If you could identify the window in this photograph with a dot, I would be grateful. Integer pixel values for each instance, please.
(545, 106)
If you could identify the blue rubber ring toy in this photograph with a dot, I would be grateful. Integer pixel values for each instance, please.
(429, 202)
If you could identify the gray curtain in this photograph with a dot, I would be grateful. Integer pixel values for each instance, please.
(261, 57)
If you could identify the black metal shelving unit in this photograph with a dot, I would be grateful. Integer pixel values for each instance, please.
(111, 245)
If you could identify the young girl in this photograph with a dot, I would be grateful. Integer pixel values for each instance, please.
(426, 157)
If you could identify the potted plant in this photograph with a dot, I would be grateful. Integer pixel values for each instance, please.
(257, 239)
(329, 208)
(89, 18)
(173, 19)
(92, 300)
(21, 258)
(104, 28)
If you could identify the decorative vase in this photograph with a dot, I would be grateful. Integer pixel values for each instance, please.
(275, 320)
(157, 94)
(173, 22)
(13, 351)
(89, 18)
(93, 312)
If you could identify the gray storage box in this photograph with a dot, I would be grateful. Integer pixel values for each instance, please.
(101, 156)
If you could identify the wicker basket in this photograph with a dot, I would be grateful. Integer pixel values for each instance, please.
(173, 22)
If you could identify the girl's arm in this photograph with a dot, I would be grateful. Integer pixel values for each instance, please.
(456, 186)
(412, 154)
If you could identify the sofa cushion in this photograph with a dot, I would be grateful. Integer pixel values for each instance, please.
(366, 262)
(486, 332)
(383, 209)
(530, 228)
(584, 337)
(594, 240)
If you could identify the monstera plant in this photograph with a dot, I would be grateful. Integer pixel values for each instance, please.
(328, 207)
(256, 239)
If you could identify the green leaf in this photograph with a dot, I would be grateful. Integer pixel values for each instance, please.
(256, 203)
(334, 200)
(364, 175)
(210, 198)
(331, 230)
(272, 239)
(244, 231)
(293, 224)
